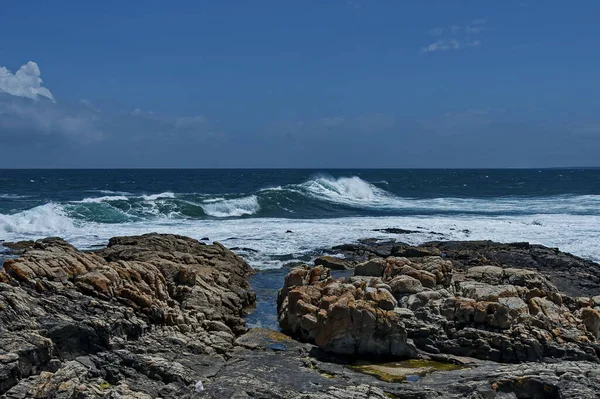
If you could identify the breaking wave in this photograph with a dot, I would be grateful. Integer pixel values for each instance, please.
(49, 219)
(231, 208)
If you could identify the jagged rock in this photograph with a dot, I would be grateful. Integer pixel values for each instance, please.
(374, 268)
(572, 275)
(407, 251)
(487, 312)
(130, 311)
(342, 318)
(402, 285)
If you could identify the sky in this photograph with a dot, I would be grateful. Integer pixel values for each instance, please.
(299, 83)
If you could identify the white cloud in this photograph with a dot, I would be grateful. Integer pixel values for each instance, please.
(442, 45)
(458, 37)
(26, 82)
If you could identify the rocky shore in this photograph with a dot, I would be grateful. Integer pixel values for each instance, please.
(162, 316)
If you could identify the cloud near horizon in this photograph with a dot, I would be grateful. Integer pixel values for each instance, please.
(27, 118)
(26, 82)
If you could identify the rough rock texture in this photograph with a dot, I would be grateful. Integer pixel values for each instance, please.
(146, 317)
(572, 275)
(333, 263)
(270, 365)
(150, 316)
(485, 312)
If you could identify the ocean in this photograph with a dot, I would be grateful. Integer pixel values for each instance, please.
(272, 217)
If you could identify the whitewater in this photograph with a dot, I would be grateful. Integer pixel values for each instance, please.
(275, 224)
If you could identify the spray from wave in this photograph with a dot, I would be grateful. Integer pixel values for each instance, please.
(49, 219)
(107, 198)
(236, 207)
(351, 191)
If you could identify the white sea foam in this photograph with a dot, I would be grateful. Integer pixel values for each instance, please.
(231, 208)
(355, 192)
(45, 220)
(13, 196)
(153, 197)
(107, 198)
(351, 191)
(111, 192)
(578, 234)
(211, 200)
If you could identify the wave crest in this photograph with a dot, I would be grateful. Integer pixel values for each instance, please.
(48, 219)
(232, 207)
(106, 198)
(352, 191)
(153, 197)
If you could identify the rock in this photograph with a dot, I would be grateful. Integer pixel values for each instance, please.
(591, 320)
(19, 246)
(301, 371)
(407, 251)
(393, 230)
(113, 323)
(488, 312)
(332, 263)
(570, 274)
(402, 285)
(348, 319)
(374, 267)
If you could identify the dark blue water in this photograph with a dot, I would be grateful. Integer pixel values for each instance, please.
(114, 196)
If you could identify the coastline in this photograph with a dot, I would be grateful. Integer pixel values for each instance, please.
(153, 315)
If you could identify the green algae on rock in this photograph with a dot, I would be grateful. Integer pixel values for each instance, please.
(401, 371)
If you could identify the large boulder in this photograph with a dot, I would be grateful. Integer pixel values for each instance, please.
(351, 318)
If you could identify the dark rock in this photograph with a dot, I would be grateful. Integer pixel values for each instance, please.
(393, 230)
(332, 263)
(571, 274)
(374, 268)
(18, 247)
(407, 251)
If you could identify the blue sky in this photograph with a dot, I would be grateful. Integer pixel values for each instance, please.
(300, 83)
